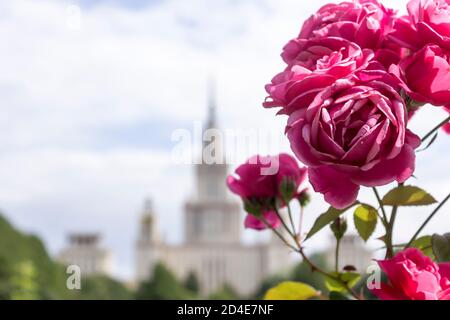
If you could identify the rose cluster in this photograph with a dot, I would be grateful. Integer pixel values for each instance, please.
(353, 76)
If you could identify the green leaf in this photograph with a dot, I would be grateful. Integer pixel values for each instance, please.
(365, 218)
(441, 247)
(290, 290)
(339, 227)
(324, 219)
(334, 295)
(408, 196)
(424, 245)
(252, 207)
(350, 278)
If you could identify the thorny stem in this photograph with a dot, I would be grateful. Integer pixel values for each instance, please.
(427, 220)
(435, 129)
(377, 195)
(284, 223)
(279, 235)
(389, 231)
(327, 274)
(299, 249)
(300, 223)
(291, 219)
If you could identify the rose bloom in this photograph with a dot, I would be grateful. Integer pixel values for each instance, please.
(414, 276)
(428, 22)
(354, 134)
(312, 66)
(260, 179)
(252, 222)
(364, 22)
(425, 75)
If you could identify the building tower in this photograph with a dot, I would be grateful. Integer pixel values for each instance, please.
(212, 247)
(149, 245)
(84, 250)
(210, 215)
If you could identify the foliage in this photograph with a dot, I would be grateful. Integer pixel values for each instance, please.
(162, 285)
(324, 219)
(365, 218)
(191, 283)
(224, 293)
(101, 287)
(441, 247)
(408, 196)
(28, 272)
(291, 290)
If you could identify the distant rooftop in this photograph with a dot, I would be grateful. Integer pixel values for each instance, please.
(84, 239)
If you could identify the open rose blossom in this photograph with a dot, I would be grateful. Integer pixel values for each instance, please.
(354, 134)
(312, 66)
(428, 22)
(260, 179)
(364, 22)
(425, 76)
(414, 276)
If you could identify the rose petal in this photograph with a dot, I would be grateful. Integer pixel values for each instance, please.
(337, 188)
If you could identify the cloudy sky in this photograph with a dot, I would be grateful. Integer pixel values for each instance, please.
(92, 90)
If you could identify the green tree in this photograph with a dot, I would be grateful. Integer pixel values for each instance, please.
(162, 285)
(28, 272)
(225, 293)
(24, 282)
(266, 284)
(101, 287)
(5, 279)
(191, 283)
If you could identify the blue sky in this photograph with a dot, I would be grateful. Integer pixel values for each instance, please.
(89, 109)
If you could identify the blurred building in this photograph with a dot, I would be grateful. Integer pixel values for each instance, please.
(352, 252)
(212, 248)
(85, 251)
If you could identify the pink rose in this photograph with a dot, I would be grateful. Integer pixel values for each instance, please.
(312, 66)
(414, 276)
(252, 222)
(428, 23)
(260, 178)
(364, 22)
(261, 181)
(425, 76)
(354, 134)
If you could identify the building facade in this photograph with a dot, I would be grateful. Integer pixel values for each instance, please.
(84, 250)
(213, 221)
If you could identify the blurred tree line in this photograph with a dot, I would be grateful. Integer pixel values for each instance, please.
(28, 272)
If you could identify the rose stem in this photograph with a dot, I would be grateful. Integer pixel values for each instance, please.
(435, 129)
(290, 218)
(427, 220)
(336, 255)
(384, 218)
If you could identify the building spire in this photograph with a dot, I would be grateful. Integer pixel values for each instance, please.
(212, 103)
